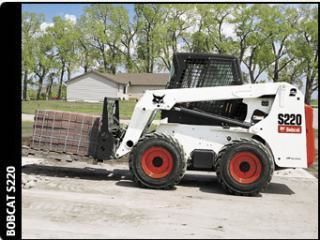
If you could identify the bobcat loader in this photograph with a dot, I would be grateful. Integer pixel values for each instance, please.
(211, 121)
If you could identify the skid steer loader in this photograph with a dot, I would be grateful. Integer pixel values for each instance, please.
(211, 121)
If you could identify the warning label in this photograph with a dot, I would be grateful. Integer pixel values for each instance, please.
(289, 129)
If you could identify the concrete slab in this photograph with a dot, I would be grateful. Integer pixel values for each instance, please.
(27, 117)
(78, 200)
(294, 173)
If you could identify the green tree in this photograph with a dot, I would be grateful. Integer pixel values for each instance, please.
(278, 23)
(253, 48)
(64, 38)
(305, 48)
(44, 59)
(173, 30)
(30, 29)
(209, 37)
(278, 41)
(151, 17)
(125, 31)
(87, 54)
(103, 37)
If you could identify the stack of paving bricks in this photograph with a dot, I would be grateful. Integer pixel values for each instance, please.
(66, 132)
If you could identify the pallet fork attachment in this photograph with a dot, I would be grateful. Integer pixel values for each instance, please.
(109, 131)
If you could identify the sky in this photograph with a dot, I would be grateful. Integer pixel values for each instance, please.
(52, 10)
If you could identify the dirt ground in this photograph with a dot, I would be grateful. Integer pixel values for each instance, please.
(80, 200)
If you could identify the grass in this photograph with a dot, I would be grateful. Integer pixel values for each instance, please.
(314, 102)
(29, 107)
(126, 108)
(26, 128)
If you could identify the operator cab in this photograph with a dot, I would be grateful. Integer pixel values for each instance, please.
(193, 70)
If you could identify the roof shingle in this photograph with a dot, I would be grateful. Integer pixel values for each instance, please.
(134, 79)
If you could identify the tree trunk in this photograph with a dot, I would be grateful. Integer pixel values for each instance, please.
(105, 64)
(276, 71)
(69, 73)
(61, 81)
(128, 58)
(47, 92)
(25, 85)
(307, 96)
(148, 58)
(50, 88)
(41, 77)
(86, 63)
(39, 87)
(129, 64)
(276, 63)
(113, 66)
(151, 58)
(148, 50)
(86, 59)
(251, 74)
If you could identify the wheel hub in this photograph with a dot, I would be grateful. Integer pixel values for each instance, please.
(157, 162)
(245, 167)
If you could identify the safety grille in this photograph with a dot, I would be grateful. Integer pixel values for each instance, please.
(205, 72)
(193, 70)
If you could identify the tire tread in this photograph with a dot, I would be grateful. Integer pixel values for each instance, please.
(218, 166)
(167, 138)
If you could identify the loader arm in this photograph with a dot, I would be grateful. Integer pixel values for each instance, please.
(155, 100)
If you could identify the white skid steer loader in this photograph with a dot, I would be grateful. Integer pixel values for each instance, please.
(211, 121)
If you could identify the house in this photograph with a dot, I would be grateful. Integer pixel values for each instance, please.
(94, 86)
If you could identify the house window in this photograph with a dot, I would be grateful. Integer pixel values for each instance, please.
(124, 89)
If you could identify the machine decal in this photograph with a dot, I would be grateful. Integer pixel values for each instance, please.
(289, 129)
(289, 123)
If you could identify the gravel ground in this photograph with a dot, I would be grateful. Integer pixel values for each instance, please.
(78, 200)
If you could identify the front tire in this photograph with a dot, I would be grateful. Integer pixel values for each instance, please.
(157, 161)
(244, 167)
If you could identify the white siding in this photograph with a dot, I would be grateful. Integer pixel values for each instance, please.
(91, 87)
(137, 91)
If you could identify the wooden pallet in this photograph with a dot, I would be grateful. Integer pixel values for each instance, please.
(59, 156)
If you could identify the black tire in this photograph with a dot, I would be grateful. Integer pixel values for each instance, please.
(177, 161)
(236, 159)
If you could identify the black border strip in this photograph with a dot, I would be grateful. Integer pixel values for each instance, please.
(10, 19)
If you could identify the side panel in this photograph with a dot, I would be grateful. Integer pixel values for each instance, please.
(147, 105)
(284, 129)
(202, 137)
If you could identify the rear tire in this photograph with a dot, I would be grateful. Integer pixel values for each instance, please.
(244, 167)
(157, 161)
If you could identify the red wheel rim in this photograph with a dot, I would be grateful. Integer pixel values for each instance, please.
(157, 162)
(245, 167)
